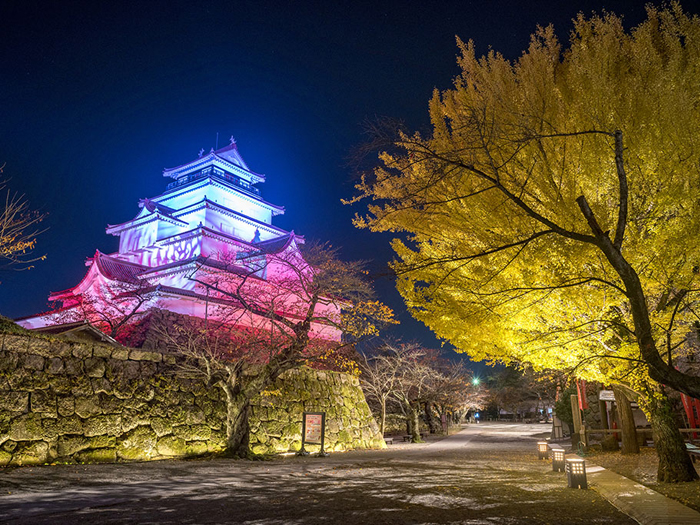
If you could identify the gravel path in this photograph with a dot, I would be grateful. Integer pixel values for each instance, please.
(486, 474)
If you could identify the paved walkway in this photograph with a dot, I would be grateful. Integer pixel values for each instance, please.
(646, 506)
(486, 474)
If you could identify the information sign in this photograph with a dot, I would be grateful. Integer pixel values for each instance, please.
(606, 395)
(313, 430)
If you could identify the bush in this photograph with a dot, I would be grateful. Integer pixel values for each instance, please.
(562, 408)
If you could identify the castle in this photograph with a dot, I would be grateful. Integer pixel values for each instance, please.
(211, 222)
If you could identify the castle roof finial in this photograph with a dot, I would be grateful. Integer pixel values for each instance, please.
(233, 140)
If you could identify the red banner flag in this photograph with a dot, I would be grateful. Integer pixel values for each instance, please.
(581, 390)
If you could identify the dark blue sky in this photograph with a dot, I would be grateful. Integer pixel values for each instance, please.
(96, 98)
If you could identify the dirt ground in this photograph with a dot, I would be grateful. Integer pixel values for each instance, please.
(642, 469)
(486, 474)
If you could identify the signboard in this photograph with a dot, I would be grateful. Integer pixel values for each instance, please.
(606, 395)
(313, 427)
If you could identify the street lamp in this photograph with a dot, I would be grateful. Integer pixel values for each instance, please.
(542, 447)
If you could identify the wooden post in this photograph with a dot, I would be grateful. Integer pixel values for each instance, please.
(576, 413)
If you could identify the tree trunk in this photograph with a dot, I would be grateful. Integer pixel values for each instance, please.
(382, 416)
(240, 390)
(237, 424)
(674, 463)
(629, 430)
(414, 415)
(433, 422)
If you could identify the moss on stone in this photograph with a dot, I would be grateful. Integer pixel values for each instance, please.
(97, 455)
(109, 425)
(138, 444)
(70, 445)
(196, 448)
(26, 427)
(5, 458)
(171, 446)
(34, 453)
(161, 426)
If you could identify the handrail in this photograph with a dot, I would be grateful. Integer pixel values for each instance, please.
(236, 181)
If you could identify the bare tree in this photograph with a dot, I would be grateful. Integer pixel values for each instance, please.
(274, 312)
(18, 232)
(113, 307)
(378, 377)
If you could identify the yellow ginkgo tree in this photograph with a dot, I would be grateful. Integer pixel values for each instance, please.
(552, 215)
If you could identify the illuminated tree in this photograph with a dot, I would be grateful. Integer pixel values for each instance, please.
(378, 377)
(18, 232)
(420, 382)
(273, 313)
(114, 307)
(553, 211)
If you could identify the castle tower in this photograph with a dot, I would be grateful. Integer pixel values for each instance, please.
(211, 217)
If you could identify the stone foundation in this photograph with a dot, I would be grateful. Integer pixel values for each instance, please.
(87, 402)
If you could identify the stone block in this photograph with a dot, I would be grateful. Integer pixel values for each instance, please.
(44, 401)
(5, 458)
(62, 384)
(144, 393)
(132, 419)
(121, 354)
(139, 444)
(50, 427)
(32, 362)
(94, 366)
(111, 404)
(26, 427)
(55, 365)
(8, 361)
(69, 445)
(15, 343)
(192, 433)
(61, 349)
(161, 426)
(97, 455)
(148, 368)
(109, 425)
(9, 446)
(171, 446)
(100, 385)
(82, 350)
(69, 425)
(194, 415)
(143, 355)
(123, 370)
(102, 351)
(103, 442)
(14, 401)
(196, 448)
(123, 388)
(73, 366)
(36, 453)
(65, 405)
(88, 406)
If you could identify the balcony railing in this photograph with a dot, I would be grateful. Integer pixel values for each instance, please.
(231, 179)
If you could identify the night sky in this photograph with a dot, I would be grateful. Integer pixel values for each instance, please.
(96, 98)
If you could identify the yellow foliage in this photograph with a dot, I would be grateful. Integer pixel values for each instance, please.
(490, 256)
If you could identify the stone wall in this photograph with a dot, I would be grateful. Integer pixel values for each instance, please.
(87, 402)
